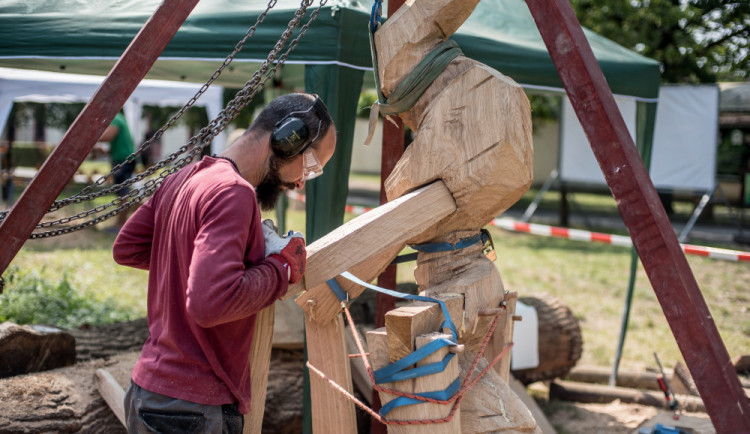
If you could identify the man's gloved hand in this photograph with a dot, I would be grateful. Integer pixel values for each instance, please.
(290, 249)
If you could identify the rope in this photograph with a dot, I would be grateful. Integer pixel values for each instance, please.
(455, 398)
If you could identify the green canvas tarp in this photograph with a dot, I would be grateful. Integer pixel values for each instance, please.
(87, 36)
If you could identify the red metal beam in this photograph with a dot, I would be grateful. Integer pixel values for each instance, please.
(647, 222)
(61, 165)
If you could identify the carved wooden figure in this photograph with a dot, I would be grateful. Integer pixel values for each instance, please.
(473, 132)
(471, 160)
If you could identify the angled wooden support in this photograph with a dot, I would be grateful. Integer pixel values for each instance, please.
(647, 222)
(61, 165)
(365, 245)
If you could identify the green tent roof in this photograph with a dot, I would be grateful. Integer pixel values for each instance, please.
(86, 36)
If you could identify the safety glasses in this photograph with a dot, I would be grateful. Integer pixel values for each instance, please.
(312, 167)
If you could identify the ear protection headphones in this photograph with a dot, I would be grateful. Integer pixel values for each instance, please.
(290, 135)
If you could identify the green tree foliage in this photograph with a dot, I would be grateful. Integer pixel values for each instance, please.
(697, 41)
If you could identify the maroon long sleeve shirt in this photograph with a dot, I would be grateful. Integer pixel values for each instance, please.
(200, 237)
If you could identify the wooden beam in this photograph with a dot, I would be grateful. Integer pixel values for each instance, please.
(326, 350)
(368, 236)
(260, 362)
(112, 393)
(653, 236)
(405, 323)
(89, 126)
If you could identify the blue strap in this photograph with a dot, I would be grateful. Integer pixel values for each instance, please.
(439, 395)
(447, 247)
(397, 371)
(375, 15)
(446, 324)
(337, 289)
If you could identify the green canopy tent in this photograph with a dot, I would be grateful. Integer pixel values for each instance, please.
(86, 36)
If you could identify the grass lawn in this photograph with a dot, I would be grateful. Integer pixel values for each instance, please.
(590, 278)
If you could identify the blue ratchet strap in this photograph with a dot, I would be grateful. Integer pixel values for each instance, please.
(438, 395)
(446, 324)
(337, 290)
(397, 371)
(375, 15)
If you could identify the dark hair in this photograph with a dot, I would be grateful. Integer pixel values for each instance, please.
(318, 121)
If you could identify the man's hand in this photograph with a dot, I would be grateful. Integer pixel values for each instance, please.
(290, 249)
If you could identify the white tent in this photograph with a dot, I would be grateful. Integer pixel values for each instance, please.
(19, 85)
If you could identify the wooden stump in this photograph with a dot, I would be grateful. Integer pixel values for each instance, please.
(560, 340)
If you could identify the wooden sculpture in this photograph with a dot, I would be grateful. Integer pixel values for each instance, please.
(470, 161)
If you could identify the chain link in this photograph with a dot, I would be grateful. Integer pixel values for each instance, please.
(196, 143)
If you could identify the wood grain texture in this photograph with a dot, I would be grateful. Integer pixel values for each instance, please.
(492, 406)
(475, 136)
(260, 362)
(412, 32)
(376, 235)
(326, 350)
(405, 323)
(112, 393)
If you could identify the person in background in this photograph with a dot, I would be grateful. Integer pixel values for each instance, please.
(213, 265)
(120, 147)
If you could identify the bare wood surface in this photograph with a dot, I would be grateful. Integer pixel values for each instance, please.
(89, 126)
(260, 362)
(112, 393)
(625, 378)
(326, 350)
(492, 406)
(596, 393)
(382, 230)
(653, 236)
(453, 143)
(405, 323)
(410, 33)
(541, 420)
(503, 336)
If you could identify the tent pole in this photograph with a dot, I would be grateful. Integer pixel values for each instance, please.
(89, 126)
(643, 214)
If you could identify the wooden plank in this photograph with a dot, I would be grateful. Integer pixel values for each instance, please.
(326, 350)
(405, 323)
(382, 230)
(653, 236)
(360, 377)
(89, 126)
(112, 393)
(260, 362)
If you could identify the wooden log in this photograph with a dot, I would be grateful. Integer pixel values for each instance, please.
(405, 323)
(112, 393)
(742, 363)
(681, 381)
(560, 340)
(326, 350)
(503, 336)
(367, 237)
(625, 378)
(595, 393)
(260, 361)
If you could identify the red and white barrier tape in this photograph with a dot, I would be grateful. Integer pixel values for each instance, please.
(574, 234)
(617, 240)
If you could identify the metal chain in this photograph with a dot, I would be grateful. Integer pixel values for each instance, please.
(196, 143)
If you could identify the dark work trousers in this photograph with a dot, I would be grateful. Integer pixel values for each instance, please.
(149, 412)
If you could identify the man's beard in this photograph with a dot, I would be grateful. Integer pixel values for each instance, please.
(271, 186)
